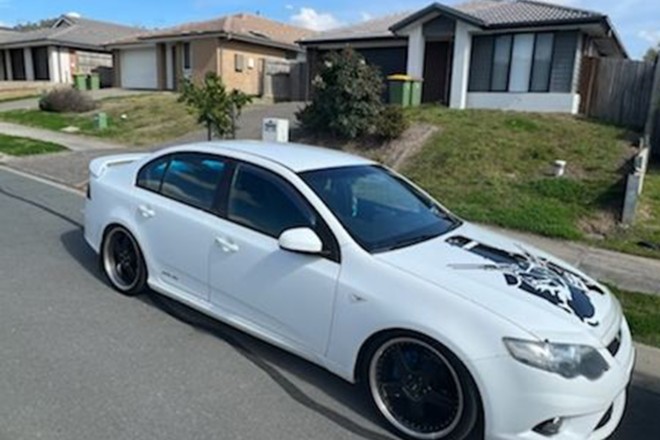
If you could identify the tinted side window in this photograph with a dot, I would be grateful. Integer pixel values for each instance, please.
(264, 202)
(151, 174)
(193, 179)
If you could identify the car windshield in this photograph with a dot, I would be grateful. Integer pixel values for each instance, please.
(380, 210)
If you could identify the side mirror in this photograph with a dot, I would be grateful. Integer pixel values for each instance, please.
(301, 240)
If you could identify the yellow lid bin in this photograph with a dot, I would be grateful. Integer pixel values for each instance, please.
(416, 92)
(404, 90)
(399, 89)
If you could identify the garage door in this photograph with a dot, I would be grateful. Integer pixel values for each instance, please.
(138, 69)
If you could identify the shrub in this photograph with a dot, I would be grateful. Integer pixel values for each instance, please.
(66, 100)
(391, 122)
(346, 97)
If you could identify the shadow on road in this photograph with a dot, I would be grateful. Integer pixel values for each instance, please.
(75, 244)
(641, 420)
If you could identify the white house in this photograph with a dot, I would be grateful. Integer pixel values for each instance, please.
(71, 45)
(507, 54)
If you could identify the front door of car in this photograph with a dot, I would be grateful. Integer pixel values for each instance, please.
(287, 295)
(176, 198)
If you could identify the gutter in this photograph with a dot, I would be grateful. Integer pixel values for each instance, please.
(351, 40)
(48, 42)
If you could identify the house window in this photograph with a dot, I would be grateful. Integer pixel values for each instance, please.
(542, 63)
(187, 56)
(239, 62)
(524, 62)
(521, 62)
(501, 61)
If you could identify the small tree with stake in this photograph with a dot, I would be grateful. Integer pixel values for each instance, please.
(214, 107)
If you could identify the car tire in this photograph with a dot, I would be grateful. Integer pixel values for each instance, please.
(419, 388)
(122, 262)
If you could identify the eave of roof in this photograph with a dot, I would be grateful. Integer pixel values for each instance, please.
(365, 38)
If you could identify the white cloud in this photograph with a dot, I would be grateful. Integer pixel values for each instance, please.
(288, 7)
(365, 16)
(652, 37)
(318, 21)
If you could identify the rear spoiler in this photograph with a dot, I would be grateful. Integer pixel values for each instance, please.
(98, 166)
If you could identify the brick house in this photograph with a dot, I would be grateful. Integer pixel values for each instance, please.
(235, 46)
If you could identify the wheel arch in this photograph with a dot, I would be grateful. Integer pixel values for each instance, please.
(374, 339)
(113, 222)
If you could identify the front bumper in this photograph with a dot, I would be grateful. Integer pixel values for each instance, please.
(517, 397)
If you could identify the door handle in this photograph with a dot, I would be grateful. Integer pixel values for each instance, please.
(146, 211)
(226, 244)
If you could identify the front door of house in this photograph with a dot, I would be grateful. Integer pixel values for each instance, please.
(437, 69)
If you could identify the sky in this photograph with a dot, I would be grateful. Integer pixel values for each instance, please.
(637, 21)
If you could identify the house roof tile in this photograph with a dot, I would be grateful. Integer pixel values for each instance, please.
(485, 13)
(508, 13)
(75, 31)
(256, 28)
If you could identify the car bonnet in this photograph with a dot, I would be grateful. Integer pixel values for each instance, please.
(529, 287)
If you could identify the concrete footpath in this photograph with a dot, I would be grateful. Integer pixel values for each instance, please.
(73, 142)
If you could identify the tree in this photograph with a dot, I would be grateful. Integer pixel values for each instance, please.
(30, 25)
(651, 54)
(214, 107)
(346, 97)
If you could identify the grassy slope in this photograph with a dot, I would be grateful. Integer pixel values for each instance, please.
(17, 146)
(643, 314)
(494, 167)
(150, 119)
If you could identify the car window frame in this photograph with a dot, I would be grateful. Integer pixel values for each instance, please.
(221, 200)
(322, 229)
(220, 190)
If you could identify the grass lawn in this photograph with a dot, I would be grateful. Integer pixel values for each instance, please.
(18, 146)
(643, 314)
(496, 167)
(150, 119)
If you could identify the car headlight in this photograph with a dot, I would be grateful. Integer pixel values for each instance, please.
(567, 360)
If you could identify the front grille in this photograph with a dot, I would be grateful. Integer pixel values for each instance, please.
(615, 345)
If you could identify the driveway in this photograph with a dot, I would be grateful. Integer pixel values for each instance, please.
(81, 361)
(250, 121)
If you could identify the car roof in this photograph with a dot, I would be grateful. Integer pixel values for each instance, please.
(296, 157)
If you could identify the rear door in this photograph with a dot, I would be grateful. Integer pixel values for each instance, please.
(176, 210)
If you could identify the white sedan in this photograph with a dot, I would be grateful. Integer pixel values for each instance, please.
(351, 266)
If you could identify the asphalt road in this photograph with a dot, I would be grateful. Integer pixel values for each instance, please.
(79, 361)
